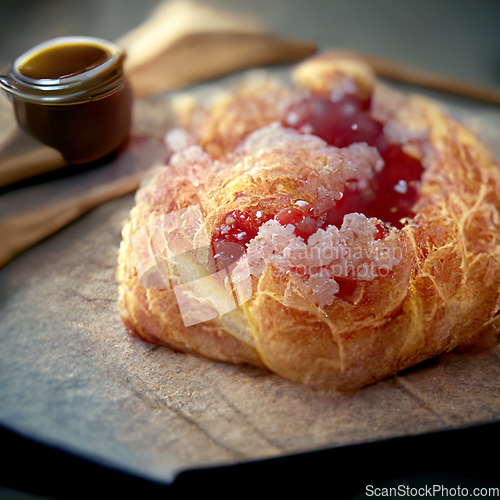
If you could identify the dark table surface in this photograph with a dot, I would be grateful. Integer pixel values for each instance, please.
(457, 37)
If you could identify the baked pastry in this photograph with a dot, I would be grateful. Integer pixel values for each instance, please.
(334, 231)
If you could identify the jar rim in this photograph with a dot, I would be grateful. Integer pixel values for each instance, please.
(115, 51)
(93, 83)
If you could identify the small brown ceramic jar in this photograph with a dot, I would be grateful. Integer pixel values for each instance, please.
(71, 94)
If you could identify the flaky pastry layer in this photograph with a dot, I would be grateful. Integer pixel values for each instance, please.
(441, 292)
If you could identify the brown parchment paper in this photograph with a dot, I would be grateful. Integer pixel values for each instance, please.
(71, 376)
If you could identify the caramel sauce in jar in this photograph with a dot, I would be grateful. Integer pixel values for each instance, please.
(63, 61)
(71, 94)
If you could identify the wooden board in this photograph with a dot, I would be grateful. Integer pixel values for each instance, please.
(71, 376)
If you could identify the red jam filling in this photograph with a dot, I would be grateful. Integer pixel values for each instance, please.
(389, 196)
(234, 231)
(391, 193)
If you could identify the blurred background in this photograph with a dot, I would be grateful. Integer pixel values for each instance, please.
(457, 37)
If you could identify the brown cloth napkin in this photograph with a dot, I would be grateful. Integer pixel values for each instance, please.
(183, 43)
(30, 214)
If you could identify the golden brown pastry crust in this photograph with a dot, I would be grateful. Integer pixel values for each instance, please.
(444, 292)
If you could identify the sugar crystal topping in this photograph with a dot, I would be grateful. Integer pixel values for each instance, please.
(318, 197)
(351, 252)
